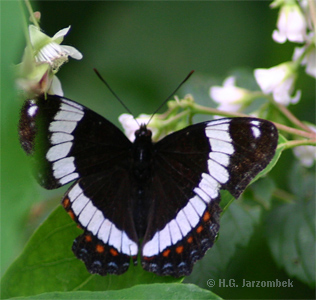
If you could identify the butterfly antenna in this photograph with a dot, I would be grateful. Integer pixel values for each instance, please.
(113, 93)
(168, 98)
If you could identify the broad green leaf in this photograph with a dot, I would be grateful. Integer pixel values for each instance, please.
(302, 181)
(261, 192)
(291, 229)
(148, 291)
(47, 264)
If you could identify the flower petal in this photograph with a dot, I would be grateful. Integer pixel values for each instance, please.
(73, 52)
(296, 97)
(278, 37)
(229, 81)
(55, 88)
(129, 125)
(59, 36)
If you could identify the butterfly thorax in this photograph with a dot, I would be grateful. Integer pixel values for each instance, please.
(142, 151)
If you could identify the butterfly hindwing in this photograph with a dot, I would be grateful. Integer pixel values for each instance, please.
(192, 166)
(101, 204)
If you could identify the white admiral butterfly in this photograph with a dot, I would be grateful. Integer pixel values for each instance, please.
(164, 194)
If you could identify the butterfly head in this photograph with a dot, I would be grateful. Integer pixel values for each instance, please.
(143, 133)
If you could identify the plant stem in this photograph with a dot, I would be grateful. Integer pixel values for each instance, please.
(207, 110)
(29, 8)
(310, 135)
(292, 144)
(283, 196)
(291, 117)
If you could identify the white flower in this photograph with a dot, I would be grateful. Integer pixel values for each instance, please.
(42, 58)
(306, 154)
(230, 97)
(279, 81)
(309, 59)
(48, 50)
(130, 125)
(291, 24)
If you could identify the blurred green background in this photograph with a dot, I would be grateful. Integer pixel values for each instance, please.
(143, 49)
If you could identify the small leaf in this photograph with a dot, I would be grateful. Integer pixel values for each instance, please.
(282, 140)
(47, 264)
(148, 291)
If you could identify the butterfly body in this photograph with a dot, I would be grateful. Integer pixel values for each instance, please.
(165, 194)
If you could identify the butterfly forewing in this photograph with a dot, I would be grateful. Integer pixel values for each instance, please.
(191, 166)
(68, 140)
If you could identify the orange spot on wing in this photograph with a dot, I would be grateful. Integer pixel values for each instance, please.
(99, 248)
(148, 258)
(166, 253)
(179, 249)
(113, 252)
(190, 239)
(199, 229)
(88, 238)
(66, 203)
(206, 216)
(71, 214)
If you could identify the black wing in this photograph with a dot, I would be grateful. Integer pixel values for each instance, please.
(71, 142)
(68, 140)
(191, 167)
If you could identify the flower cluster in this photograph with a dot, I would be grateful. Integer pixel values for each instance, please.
(43, 56)
(295, 24)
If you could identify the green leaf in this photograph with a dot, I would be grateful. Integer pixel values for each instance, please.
(291, 229)
(148, 291)
(291, 237)
(262, 191)
(302, 182)
(47, 264)
(282, 140)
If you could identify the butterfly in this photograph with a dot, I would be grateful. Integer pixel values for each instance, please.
(157, 200)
